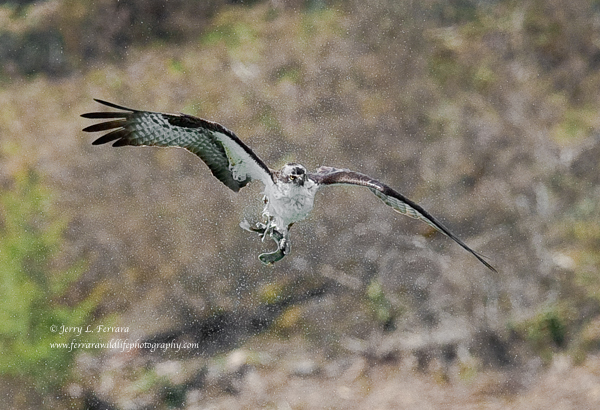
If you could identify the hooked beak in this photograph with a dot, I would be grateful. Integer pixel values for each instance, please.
(297, 179)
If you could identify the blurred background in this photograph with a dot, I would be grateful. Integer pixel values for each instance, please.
(483, 111)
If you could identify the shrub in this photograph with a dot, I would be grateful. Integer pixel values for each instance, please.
(31, 291)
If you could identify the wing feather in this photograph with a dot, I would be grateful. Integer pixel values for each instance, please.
(104, 126)
(229, 159)
(398, 202)
(120, 133)
(100, 115)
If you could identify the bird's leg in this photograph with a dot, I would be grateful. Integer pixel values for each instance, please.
(263, 230)
(283, 247)
(260, 229)
(269, 230)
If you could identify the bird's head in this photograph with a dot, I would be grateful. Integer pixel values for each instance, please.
(293, 173)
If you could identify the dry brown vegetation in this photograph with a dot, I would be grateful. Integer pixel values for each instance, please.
(483, 112)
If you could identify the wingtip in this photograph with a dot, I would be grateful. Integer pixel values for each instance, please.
(98, 100)
(490, 267)
(113, 105)
(485, 263)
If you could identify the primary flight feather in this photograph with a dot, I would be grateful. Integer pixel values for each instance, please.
(289, 193)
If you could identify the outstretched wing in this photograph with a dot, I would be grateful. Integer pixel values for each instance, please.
(401, 204)
(229, 159)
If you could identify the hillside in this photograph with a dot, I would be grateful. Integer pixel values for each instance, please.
(485, 113)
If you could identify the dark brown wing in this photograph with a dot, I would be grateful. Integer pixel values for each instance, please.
(229, 159)
(333, 176)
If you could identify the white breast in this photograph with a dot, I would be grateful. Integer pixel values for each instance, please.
(289, 203)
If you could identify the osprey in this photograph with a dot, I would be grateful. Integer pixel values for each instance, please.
(289, 193)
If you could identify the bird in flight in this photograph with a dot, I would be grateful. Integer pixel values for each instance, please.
(289, 192)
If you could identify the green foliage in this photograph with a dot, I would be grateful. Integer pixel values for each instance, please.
(239, 38)
(583, 228)
(233, 34)
(382, 308)
(174, 396)
(455, 11)
(548, 330)
(30, 292)
(545, 29)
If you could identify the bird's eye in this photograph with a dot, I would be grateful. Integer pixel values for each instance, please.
(292, 177)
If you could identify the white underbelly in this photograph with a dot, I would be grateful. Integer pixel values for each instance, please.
(289, 207)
